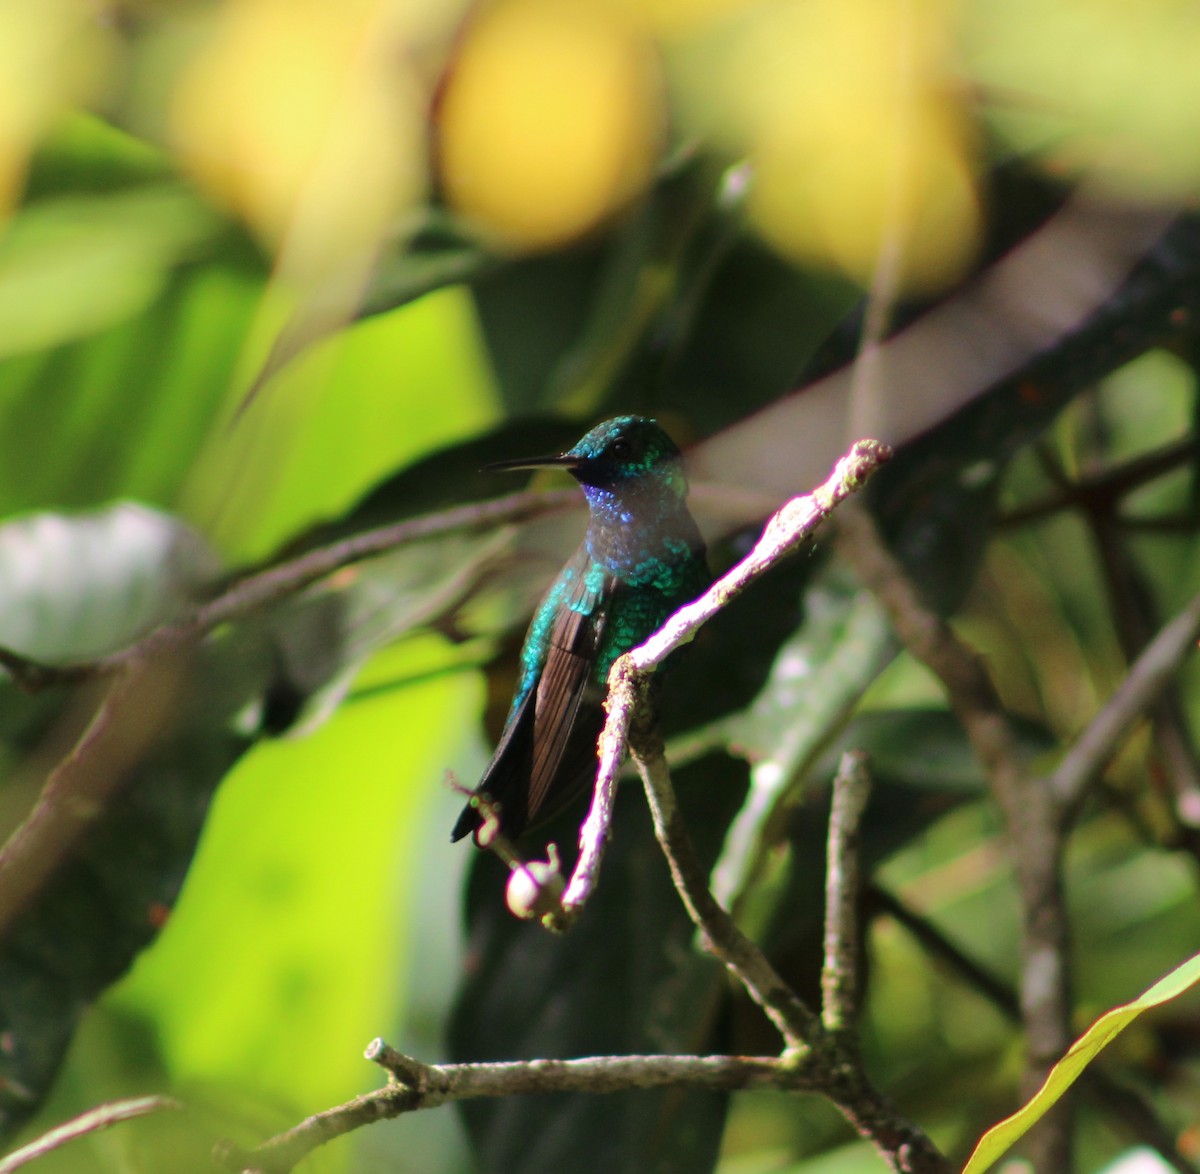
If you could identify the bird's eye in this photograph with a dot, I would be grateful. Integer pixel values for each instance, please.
(621, 448)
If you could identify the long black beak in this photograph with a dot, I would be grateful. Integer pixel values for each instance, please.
(561, 461)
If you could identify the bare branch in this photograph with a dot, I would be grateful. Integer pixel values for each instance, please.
(793, 524)
(415, 1086)
(800, 1028)
(839, 973)
(1146, 679)
(1104, 490)
(94, 1120)
(1031, 814)
(832, 1066)
(260, 588)
(593, 835)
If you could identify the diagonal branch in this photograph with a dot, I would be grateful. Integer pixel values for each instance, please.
(92, 1121)
(828, 1057)
(260, 588)
(1145, 681)
(799, 1026)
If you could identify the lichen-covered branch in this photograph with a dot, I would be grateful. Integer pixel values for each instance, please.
(839, 971)
(414, 1086)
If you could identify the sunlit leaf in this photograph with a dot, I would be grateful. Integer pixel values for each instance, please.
(818, 677)
(71, 267)
(1000, 1137)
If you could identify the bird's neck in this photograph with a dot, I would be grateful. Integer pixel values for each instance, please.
(637, 526)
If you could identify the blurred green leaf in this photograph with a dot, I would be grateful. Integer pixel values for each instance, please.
(306, 874)
(73, 266)
(819, 675)
(340, 419)
(84, 154)
(130, 407)
(435, 257)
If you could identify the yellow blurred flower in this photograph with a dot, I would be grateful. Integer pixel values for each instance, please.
(1099, 87)
(851, 116)
(52, 54)
(303, 117)
(550, 119)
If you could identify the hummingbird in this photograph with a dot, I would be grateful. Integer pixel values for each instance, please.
(641, 560)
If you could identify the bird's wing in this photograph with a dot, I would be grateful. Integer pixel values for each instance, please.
(537, 748)
(503, 779)
(566, 678)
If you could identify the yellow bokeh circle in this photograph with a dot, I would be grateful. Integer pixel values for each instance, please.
(549, 119)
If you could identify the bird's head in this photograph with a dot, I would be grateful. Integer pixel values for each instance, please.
(615, 455)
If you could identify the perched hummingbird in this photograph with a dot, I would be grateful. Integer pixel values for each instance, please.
(641, 560)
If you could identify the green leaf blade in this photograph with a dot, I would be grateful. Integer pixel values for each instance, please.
(1000, 1137)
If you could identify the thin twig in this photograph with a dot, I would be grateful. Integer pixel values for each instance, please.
(1147, 677)
(94, 1120)
(415, 1086)
(594, 833)
(1103, 490)
(799, 1026)
(836, 1068)
(1136, 621)
(839, 971)
(794, 523)
(1031, 814)
(267, 586)
(927, 935)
